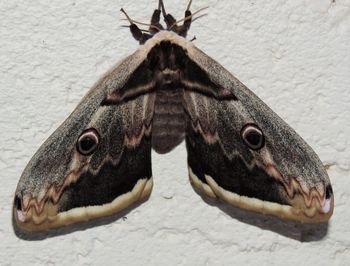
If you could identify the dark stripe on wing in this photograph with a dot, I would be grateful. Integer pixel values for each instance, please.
(111, 181)
(232, 175)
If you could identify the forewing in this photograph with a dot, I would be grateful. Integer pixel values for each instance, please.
(283, 177)
(61, 186)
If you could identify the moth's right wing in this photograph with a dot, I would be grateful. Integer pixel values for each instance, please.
(239, 150)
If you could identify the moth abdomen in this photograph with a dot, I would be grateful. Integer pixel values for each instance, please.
(169, 120)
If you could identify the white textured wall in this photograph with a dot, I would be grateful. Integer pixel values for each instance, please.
(295, 54)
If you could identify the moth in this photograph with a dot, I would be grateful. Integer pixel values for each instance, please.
(98, 161)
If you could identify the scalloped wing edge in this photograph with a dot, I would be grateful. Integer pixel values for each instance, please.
(141, 190)
(213, 190)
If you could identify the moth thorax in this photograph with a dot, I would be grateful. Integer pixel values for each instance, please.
(169, 120)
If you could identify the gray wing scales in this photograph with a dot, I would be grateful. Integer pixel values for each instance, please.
(220, 154)
(283, 176)
(95, 164)
(118, 172)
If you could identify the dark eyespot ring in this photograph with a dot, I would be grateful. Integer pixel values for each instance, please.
(88, 141)
(252, 136)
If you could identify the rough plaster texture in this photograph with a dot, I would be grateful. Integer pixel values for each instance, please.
(295, 54)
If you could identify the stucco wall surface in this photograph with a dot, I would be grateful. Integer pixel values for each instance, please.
(294, 54)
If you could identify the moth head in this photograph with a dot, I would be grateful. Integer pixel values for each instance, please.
(171, 24)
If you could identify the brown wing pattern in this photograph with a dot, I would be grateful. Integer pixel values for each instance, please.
(221, 164)
(61, 185)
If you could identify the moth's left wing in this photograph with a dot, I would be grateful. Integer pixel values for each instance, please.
(239, 150)
(95, 164)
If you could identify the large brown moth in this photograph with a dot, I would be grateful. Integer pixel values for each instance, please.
(98, 161)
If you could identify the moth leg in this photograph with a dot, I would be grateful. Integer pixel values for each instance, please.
(155, 25)
(183, 29)
(169, 19)
(136, 32)
(172, 24)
